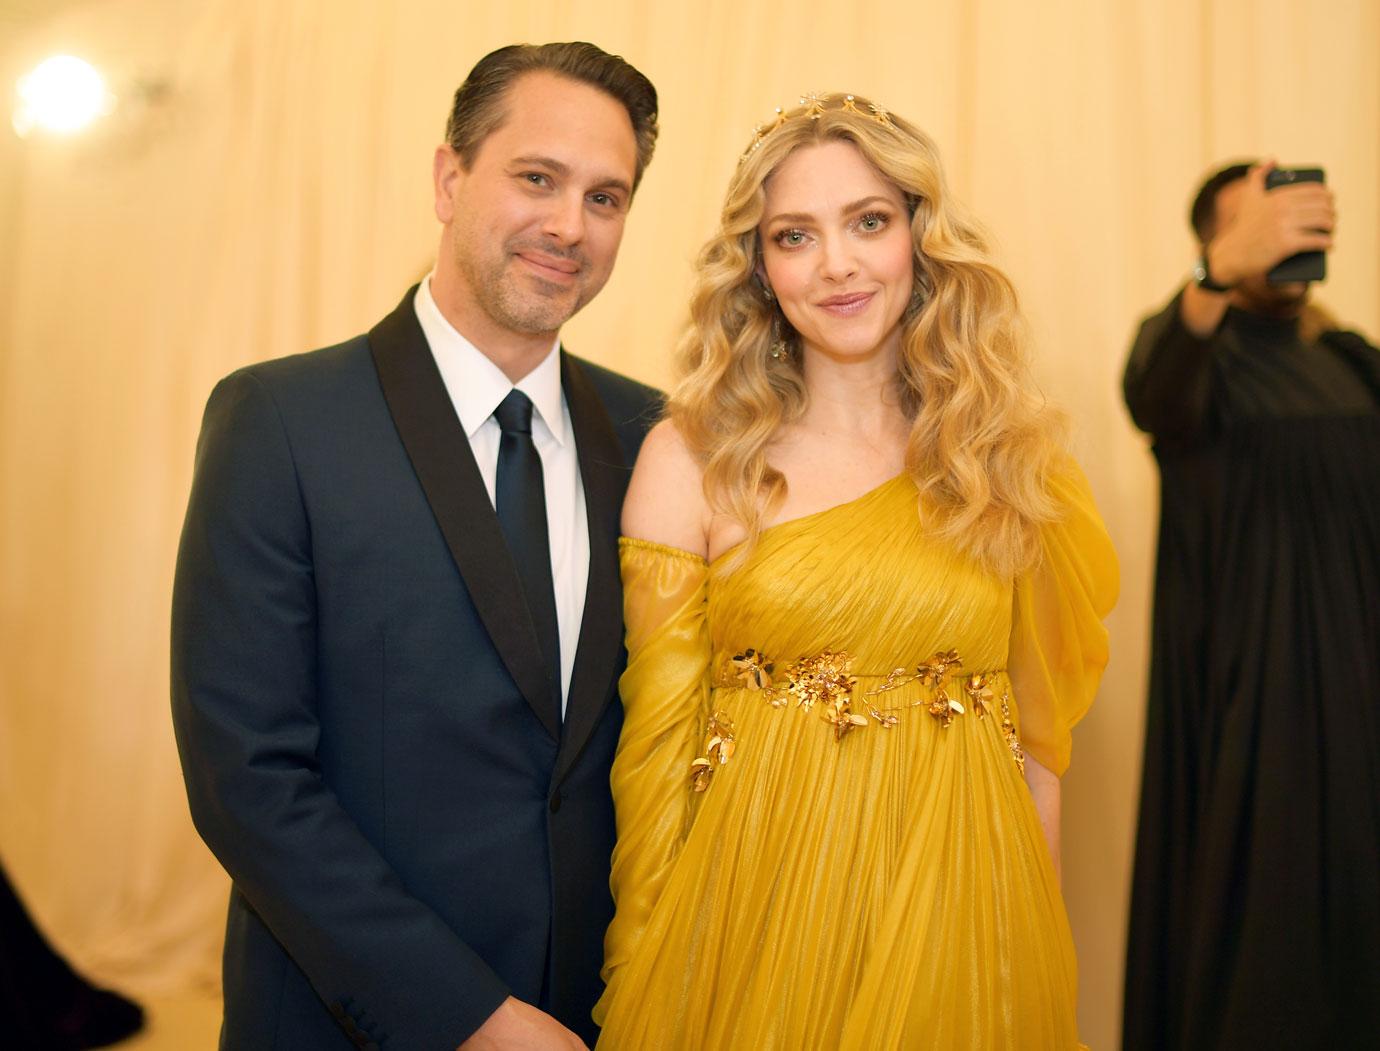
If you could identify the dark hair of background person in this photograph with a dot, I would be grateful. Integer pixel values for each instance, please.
(1203, 215)
(478, 107)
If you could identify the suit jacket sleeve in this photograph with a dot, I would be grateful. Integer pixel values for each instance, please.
(244, 708)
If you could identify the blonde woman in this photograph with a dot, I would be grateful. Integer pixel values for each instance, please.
(864, 597)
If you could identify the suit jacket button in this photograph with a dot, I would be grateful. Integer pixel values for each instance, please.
(555, 802)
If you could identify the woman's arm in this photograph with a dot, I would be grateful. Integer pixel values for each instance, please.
(1044, 788)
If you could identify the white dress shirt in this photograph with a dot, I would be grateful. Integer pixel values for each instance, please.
(476, 385)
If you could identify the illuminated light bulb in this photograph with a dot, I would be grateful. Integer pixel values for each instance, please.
(62, 95)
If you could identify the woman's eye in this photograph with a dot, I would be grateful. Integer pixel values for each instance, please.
(872, 222)
(790, 238)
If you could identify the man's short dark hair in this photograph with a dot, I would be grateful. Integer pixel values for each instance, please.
(478, 107)
(1203, 215)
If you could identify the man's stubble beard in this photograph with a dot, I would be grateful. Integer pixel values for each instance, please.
(495, 289)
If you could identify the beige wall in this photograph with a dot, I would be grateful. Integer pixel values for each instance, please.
(278, 198)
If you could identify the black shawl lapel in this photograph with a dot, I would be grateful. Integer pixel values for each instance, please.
(440, 453)
(604, 475)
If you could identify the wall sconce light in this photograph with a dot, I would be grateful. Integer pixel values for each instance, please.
(62, 95)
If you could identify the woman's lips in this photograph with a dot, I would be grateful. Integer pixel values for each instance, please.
(846, 305)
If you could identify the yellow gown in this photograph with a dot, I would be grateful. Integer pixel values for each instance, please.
(813, 855)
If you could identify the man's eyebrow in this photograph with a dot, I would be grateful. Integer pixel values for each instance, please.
(805, 217)
(613, 182)
(609, 182)
(559, 167)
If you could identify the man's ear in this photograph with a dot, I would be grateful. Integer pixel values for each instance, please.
(446, 171)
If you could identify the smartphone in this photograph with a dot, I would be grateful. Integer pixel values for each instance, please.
(1305, 266)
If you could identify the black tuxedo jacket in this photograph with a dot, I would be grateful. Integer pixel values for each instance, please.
(362, 708)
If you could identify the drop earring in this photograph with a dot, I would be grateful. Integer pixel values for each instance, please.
(778, 344)
(777, 347)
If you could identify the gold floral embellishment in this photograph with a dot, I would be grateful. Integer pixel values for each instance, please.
(977, 687)
(827, 680)
(822, 678)
(1008, 730)
(932, 674)
(701, 771)
(718, 749)
(934, 670)
(943, 707)
(751, 669)
(839, 713)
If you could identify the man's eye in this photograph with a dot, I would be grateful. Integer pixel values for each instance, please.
(535, 178)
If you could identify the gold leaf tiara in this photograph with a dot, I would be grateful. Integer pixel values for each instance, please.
(814, 104)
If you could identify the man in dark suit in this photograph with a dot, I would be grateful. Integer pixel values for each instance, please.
(397, 623)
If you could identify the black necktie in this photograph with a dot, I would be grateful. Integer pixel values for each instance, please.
(520, 499)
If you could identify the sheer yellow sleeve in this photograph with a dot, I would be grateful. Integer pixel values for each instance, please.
(665, 691)
(1058, 641)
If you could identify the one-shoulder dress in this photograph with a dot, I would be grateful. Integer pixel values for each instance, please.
(824, 835)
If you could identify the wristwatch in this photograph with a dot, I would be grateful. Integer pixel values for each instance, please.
(1203, 279)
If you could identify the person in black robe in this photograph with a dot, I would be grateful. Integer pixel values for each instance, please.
(1255, 905)
(45, 1004)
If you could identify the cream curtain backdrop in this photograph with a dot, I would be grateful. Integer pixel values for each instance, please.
(275, 196)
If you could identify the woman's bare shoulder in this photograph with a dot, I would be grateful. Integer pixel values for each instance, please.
(665, 502)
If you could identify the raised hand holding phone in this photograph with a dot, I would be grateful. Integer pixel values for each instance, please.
(1302, 266)
(1261, 227)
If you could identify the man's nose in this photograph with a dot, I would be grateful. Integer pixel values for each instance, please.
(565, 220)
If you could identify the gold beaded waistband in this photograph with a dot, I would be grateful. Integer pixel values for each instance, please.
(827, 679)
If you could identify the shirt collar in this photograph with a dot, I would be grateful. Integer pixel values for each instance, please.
(475, 384)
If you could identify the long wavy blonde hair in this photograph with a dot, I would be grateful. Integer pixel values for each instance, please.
(982, 441)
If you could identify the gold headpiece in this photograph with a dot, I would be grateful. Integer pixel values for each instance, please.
(813, 106)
